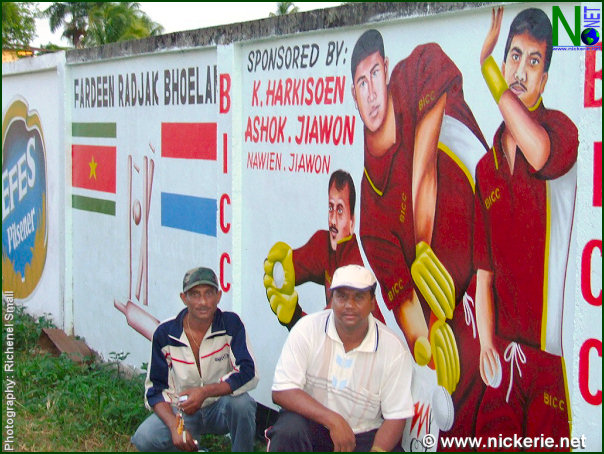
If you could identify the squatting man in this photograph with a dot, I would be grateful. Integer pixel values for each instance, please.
(200, 371)
(343, 379)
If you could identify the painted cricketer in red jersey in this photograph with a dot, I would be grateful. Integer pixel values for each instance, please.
(524, 211)
(316, 262)
(523, 225)
(318, 259)
(514, 225)
(388, 231)
(387, 227)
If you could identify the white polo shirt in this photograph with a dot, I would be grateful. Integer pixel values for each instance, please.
(366, 385)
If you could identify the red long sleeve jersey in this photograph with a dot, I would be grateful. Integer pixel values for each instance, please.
(387, 223)
(523, 224)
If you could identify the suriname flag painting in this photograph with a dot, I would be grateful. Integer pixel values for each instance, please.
(94, 167)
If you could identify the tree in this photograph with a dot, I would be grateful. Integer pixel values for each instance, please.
(72, 17)
(18, 24)
(119, 21)
(283, 8)
(88, 24)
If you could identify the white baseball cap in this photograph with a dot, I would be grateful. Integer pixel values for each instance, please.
(353, 276)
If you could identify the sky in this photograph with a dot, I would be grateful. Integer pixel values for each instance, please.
(179, 16)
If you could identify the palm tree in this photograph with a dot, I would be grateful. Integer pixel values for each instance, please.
(72, 17)
(97, 23)
(283, 8)
(119, 21)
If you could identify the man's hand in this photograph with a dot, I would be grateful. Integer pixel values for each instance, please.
(299, 401)
(489, 68)
(490, 366)
(446, 356)
(282, 304)
(433, 281)
(195, 398)
(183, 441)
(180, 437)
(280, 252)
(493, 35)
(341, 434)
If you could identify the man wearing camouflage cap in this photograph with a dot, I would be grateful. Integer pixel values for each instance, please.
(200, 371)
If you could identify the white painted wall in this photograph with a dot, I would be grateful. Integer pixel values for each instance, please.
(90, 267)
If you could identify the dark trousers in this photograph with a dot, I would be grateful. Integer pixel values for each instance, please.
(295, 433)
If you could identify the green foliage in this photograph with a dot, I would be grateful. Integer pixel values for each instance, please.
(26, 329)
(284, 8)
(18, 24)
(66, 406)
(50, 47)
(79, 399)
(88, 24)
(72, 17)
(119, 21)
(61, 385)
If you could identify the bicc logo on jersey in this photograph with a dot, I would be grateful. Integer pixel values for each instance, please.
(588, 33)
(24, 215)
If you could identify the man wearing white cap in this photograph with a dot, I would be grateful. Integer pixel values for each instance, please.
(343, 379)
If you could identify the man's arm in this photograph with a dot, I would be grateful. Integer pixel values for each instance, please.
(410, 318)
(197, 395)
(298, 401)
(532, 139)
(387, 261)
(485, 321)
(183, 441)
(243, 375)
(424, 178)
(388, 435)
(436, 83)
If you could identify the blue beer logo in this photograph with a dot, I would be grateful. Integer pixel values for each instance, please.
(24, 214)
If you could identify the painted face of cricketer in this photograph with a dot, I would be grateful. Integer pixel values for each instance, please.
(341, 221)
(524, 68)
(370, 90)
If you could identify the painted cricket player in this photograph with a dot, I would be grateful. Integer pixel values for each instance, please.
(317, 260)
(524, 209)
(422, 144)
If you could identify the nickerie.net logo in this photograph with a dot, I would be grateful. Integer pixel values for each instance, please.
(577, 29)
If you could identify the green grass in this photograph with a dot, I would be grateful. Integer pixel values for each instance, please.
(65, 406)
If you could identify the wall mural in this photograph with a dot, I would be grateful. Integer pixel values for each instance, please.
(24, 214)
(448, 163)
(468, 235)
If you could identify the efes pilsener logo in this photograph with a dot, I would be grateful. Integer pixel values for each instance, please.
(24, 222)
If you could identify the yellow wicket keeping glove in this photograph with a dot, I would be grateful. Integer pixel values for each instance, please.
(446, 356)
(280, 252)
(283, 305)
(433, 281)
(283, 299)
